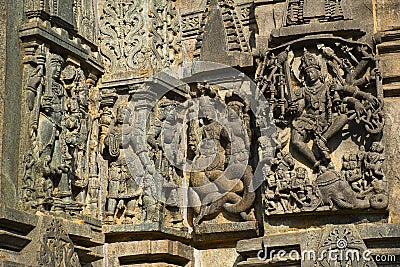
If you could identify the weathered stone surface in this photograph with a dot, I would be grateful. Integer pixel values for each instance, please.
(3, 37)
(11, 99)
(149, 253)
(216, 257)
(393, 154)
(387, 15)
(198, 133)
(306, 243)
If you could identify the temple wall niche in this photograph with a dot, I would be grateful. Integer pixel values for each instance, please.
(295, 40)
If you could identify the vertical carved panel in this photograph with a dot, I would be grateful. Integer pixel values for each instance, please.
(57, 165)
(122, 30)
(164, 37)
(138, 38)
(157, 32)
(56, 248)
(85, 13)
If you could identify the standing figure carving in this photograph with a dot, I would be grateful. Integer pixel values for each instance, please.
(123, 188)
(56, 171)
(46, 99)
(167, 154)
(316, 119)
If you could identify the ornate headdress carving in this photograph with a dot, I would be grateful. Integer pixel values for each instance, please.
(236, 106)
(56, 59)
(309, 60)
(124, 107)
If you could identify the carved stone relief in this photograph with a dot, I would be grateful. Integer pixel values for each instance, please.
(123, 157)
(85, 13)
(163, 138)
(221, 177)
(221, 34)
(139, 38)
(56, 248)
(60, 12)
(123, 188)
(142, 184)
(187, 164)
(191, 24)
(121, 28)
(164, 37)
(326, 99)
(303, 12)
(342, 246)
(57, 166)
(123, 163)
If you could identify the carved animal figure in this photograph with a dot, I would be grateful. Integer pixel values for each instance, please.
(336, 191)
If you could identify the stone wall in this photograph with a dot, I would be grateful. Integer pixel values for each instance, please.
(199, 133)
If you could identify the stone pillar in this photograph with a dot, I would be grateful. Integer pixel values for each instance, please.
(387, 33)
(144, 101)
(11, 15)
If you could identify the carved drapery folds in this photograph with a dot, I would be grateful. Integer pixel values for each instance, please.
(328, 108)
